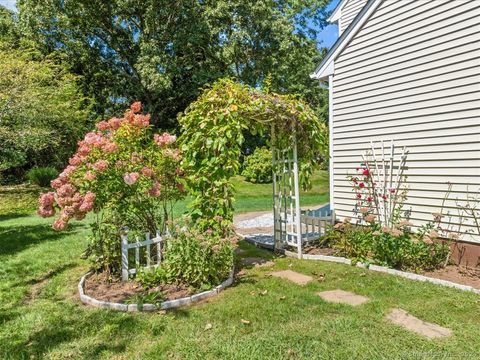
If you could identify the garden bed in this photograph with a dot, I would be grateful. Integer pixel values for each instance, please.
(100, 287)
(97, 291)
(456, 274)
(451, 276)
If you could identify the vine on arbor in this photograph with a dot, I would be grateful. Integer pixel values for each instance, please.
(213, 133)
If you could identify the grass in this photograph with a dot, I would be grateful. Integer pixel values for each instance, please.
(41, 316)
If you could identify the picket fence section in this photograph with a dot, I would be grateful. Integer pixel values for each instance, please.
(150, 257)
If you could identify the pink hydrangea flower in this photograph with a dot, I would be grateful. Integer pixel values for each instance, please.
(83, 150)
(180, 187)
(110, 147)
(59, 224)
(46, 212)
(135, 158)
(100, 165)
(136, 107)
(115, 123)
(141, 120)
(131, 178)
(89, 176)
(75, 160)
(56, 183)
(154, 191)
(165, 139)
(66, 190)
(146, 171)
(90, 196)
(103, 125)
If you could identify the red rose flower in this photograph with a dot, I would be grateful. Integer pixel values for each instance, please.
(366, 172)
(369, 199)
(362, 185)
(359, 196)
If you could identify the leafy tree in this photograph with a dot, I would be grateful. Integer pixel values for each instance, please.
(42, 113)
(163, 51)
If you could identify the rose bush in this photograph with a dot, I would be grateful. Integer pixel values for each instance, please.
(127, 176)
(388, 241)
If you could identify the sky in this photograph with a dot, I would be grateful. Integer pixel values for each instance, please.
(326, 37)
(9, 4)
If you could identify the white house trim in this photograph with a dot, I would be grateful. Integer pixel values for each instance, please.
(337, 12)
(326, 67)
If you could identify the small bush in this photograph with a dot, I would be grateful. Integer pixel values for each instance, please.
(258, 166)
(199, 260)
(394, 247)
(42, 176)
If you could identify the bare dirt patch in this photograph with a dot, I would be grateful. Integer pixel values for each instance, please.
(255, 230)
(457, 274)
(404, 319)
(100, 287)
(342, 297)
(313, 250)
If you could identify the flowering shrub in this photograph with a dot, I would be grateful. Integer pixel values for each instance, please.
(123, 174)
(385, 238)
(257, 167)
(382, 204)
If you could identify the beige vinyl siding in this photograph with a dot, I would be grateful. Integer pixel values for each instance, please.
(349, 11)
(412, 74)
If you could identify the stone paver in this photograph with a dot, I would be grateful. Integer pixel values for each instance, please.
(293, 276)
(411, 323)
(342, 297)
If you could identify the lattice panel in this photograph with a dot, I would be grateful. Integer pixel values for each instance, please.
(286, 198)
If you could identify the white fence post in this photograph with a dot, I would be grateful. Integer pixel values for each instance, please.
(124, 257)
(147, 244)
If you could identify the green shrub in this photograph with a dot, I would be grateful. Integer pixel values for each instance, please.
(199, 260)
(257, 167)
(42, 176)
(394, 247)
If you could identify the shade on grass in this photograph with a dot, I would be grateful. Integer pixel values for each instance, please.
(41, 316)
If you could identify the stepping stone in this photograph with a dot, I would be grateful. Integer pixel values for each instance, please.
(411, 323)
(293, 276)
(342, 297)
(257, 261)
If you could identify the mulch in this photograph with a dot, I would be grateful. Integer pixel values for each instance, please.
(100, 287)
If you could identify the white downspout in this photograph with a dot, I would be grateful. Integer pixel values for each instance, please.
(330, 143)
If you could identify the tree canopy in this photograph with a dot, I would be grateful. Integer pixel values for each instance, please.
(162, 52)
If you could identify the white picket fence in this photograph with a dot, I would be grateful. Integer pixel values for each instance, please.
(150, 257)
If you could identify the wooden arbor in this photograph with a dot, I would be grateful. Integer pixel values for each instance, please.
(213, 130)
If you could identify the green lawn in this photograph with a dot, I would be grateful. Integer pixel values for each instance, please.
(41, 316)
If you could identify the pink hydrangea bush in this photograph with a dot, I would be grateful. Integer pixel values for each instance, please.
(123, 169)
(119, 163)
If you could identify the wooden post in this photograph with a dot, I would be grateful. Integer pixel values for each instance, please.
(124, 257)
(297, 198)
(159, 249)
(137, 254)
(147, 238)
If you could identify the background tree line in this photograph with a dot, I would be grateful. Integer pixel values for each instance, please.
(65, 63)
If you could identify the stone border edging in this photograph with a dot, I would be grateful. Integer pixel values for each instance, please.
(383, 269)
(169, 304)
